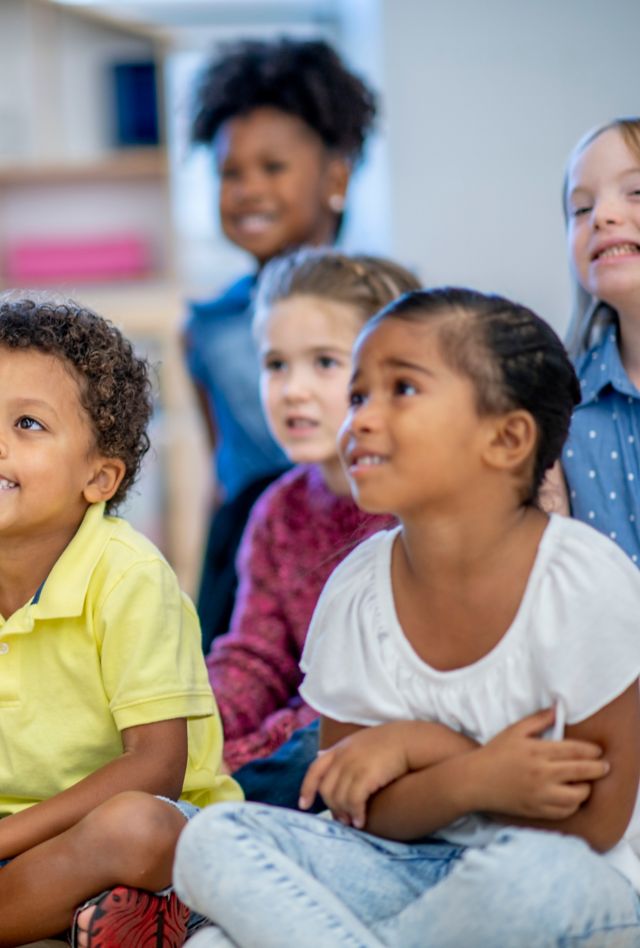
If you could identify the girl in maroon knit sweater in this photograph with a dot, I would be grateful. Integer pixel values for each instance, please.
(310, 307)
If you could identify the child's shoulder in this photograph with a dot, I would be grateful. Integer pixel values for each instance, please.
(366, 567)
(600, 365)
(288, 495)
(587, 561)
(130, 539)
(117, 548)
(232, 299)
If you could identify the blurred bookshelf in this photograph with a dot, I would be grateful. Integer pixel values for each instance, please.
(85, 210)
(125, 164)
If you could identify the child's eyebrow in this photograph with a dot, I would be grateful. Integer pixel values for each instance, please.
(584, 188)
(331, 347)
(22, 404)
(396, 363)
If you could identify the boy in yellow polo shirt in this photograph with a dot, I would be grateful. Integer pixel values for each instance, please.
(109, 734)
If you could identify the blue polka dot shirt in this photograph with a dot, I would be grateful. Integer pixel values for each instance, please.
(600, 459)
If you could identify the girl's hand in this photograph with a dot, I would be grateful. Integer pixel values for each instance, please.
(354, 769)
(520, 774)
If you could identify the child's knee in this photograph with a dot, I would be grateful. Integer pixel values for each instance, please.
(135, 831)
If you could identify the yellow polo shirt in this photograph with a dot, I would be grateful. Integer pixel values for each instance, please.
(108, 642)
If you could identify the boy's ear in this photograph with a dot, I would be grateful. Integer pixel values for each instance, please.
(512, 440)
(105, 480)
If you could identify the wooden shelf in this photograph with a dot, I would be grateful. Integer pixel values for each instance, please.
(128, 164)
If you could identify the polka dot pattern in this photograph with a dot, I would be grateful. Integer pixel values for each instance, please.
(601, 459)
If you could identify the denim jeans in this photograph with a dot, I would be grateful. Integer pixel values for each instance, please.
(267, 877)
(277, 779)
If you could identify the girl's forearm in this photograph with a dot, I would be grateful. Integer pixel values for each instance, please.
(428, 743)
(427, 800)
(424, 801)
(600, 824)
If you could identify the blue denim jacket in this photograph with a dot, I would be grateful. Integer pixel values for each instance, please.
(222, 358)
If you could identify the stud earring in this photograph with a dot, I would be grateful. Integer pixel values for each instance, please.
(336, 203)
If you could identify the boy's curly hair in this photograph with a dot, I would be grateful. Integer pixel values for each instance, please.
(305, 78)
(115, 389)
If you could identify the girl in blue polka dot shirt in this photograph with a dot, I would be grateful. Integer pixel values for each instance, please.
(602, 207)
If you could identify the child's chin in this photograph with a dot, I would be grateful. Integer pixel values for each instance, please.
(368, 504)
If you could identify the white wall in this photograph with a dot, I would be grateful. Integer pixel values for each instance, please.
(484, 99)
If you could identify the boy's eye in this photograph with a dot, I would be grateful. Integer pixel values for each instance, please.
(356, 399)
(579, 211)
(26, 423)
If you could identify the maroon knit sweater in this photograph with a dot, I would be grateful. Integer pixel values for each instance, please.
(296, 535)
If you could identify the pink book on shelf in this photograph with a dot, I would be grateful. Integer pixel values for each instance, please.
(54, 260)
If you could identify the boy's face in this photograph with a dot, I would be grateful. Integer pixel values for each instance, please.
(276, 179)
(47, 455)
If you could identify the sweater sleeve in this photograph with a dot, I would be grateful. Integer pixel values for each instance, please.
(274, 731)
(253, 669)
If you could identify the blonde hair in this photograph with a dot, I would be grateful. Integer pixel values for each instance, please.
(590, 316)
(366, 283)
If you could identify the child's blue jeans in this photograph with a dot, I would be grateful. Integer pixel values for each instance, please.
(268, 876)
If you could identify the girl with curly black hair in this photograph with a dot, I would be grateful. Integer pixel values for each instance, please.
(286, 122)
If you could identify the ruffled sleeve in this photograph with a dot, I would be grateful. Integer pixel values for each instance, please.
(345, 675)
(588, 621)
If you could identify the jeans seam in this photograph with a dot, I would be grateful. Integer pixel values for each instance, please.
(267, 864)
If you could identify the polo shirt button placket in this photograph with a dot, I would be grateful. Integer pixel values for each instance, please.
(4, 648)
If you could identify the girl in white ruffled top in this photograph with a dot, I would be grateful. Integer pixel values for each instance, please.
(476, 670)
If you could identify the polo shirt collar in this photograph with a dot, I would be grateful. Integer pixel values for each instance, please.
(602, 367)
(62, 594)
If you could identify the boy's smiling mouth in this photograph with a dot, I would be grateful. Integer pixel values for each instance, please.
(6, 484)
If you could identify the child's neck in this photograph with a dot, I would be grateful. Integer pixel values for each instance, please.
(25, 563)
(458, 545)
(458, 582)
(630, 343)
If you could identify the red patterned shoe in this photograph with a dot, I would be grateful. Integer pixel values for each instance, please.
(133, 918)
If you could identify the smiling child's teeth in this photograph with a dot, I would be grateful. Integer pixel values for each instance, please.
(6, 485)
(369, 459)
(618, 250)
(299, 422)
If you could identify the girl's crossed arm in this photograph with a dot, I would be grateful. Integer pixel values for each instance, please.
(355, 762)
(555, 785)
(566, 786)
